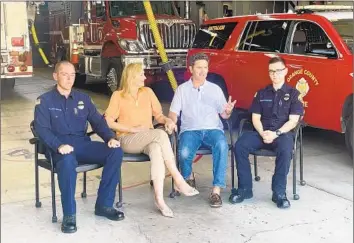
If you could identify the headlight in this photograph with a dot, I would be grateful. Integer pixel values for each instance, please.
(130, 45)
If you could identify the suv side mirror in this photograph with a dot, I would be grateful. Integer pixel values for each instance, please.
(326, 50)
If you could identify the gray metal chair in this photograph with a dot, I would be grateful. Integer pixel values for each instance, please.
(138, 158)
(269, 153)
(47, 163)
(206, 151)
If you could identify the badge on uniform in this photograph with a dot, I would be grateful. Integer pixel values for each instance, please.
(286, 97)
(80, 105)
(38, 101)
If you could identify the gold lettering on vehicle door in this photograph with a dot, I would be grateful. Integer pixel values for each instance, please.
(302, 84)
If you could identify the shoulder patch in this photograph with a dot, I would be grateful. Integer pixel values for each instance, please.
(38, 101)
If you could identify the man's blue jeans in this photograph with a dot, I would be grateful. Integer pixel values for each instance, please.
(215, 140)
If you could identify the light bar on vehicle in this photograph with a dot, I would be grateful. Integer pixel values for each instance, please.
(324, 7)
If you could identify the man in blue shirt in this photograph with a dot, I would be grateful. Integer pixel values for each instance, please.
(200, 103)
(276, 110)
(60, 120)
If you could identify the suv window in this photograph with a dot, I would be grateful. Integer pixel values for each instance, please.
(310, 39)
(345, 28)
(266, 36)
(213, 36)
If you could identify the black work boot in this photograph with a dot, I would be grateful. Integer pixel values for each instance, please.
(239, 195)
(281, 200)
(109, 212)
(69, 224)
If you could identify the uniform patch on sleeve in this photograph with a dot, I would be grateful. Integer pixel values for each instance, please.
(38, 101)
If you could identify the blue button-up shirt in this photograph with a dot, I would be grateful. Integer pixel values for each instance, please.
(59, 120)
(276, 106)
(200, 107)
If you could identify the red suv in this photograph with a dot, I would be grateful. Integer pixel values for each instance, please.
(318, 50)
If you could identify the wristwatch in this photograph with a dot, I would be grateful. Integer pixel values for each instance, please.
(278, 132)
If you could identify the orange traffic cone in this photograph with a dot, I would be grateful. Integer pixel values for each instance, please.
(75, 54)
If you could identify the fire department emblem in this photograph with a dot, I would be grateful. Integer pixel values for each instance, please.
(303, 87)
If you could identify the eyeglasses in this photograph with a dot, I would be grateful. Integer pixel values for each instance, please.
(277, 71)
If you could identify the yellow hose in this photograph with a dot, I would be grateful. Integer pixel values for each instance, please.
(160, 47)
(36, 42)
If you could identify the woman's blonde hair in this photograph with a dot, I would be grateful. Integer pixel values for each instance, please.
(128, 73)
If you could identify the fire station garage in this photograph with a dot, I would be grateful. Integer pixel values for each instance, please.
(248, 48)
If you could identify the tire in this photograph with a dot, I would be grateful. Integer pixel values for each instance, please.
(80, 80)
(349, 135)
(7, 87)
(9, 83)
(113, 76)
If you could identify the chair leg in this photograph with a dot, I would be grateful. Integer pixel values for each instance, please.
(173, 191)
(257, 178)
(119, 204)
(38, 203)
(232, 170)
(83, 194)
(302, 181)
(295, 195)
(54, 217)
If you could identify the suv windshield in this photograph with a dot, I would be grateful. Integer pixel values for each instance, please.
(129, 8)
(345, 30)
(213, 36)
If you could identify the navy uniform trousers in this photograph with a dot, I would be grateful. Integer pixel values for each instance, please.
(88, 152)
(250, 142)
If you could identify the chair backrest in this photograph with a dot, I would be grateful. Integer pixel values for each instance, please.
(299, 42)
(41, 147)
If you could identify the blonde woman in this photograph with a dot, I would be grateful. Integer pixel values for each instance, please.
(130, 113)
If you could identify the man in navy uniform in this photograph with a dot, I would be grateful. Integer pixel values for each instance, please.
(276, 110)
(60, 120)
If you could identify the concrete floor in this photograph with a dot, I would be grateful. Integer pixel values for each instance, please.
(324, 212)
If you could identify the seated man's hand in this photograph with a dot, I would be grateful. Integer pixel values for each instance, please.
(269, 136)
(65, 149)
(230, 106)
(170, 126)
(137, 129)
(113, 143)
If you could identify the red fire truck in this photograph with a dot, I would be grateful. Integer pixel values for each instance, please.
(104, 36)
(16, 52)
(317, 45)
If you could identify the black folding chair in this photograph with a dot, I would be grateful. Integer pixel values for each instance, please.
(131, 158)
(47, 163)
(270, 153)
(41, 149)
(206, 151)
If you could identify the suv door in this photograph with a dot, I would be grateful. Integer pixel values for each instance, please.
(259, 41)
(311, 60)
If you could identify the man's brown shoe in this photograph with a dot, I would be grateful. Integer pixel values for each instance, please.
(215, 200)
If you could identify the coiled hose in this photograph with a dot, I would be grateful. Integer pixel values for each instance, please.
(36, 43)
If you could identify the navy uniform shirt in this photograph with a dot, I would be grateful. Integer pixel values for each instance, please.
(276, 106)
(59, 120)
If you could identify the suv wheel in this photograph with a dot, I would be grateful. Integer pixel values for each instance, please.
(349, 135)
